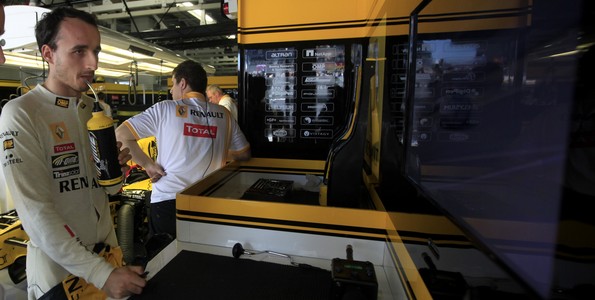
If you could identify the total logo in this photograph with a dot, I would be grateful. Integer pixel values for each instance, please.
(64, 148)
(200, 130)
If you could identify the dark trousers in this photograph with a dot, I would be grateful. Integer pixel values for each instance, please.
(163, 218)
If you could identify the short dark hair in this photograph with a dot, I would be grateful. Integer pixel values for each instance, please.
(48, 27)
(194, 74)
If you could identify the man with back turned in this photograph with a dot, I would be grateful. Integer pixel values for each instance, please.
(194, 138)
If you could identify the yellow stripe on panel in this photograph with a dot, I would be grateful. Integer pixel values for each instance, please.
(323, 215)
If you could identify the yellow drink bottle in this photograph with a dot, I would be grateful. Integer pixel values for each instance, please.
(104, 147)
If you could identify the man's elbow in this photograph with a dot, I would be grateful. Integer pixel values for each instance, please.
(243, 156)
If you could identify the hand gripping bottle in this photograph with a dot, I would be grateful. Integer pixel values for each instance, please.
(104, 148)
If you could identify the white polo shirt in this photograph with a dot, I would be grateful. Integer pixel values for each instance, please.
(193, 139)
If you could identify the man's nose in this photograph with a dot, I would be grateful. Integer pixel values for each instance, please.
(92, 61)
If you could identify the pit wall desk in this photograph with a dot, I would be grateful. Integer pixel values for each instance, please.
(211, 218)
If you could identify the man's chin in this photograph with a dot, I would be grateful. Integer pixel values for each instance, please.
(83, 89)
(83, 86)
(86, 81)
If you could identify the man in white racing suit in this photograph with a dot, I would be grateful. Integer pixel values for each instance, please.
(47, 163)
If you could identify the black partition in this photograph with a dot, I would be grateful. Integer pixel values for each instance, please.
(498, 140)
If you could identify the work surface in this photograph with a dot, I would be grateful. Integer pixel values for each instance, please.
(199, 271)
(207, 276)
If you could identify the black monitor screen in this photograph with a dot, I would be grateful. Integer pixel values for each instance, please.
(295, 97)
(488, 141)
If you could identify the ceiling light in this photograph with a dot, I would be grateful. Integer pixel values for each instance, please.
(198, 13)
(568, 53)
(111, 73)
(107, 58)
(35, 62)
(117, 49)
(124, 52)
(23, 60)
(154, 68)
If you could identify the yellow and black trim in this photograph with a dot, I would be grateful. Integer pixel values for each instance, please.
(345, 231)
(394, 17)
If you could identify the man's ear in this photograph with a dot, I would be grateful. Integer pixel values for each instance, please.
(47, 54)
(182, 83)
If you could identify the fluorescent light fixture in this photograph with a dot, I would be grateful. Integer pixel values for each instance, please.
(569, 53)
(23, 60)
(584, 46)
(117, 49)
(111, 59)
(154, 68)
(35, 62)
(198, 13)
(170, 65)
(111, 73)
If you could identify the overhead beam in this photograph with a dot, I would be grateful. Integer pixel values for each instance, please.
(145, 12)
(215, 58)
(141, 4)
(201, 31)
(198, 44)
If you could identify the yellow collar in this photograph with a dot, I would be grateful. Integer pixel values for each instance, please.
(196, 95)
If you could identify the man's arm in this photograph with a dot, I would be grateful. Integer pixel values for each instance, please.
(244, 155)
(239, 148)
(125, 135)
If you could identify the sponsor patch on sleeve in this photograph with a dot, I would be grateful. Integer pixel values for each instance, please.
(9, 158)
(8, 144)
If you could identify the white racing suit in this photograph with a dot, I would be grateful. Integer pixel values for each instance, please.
(51, 179)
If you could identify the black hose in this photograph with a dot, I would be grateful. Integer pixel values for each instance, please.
(125, 231)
